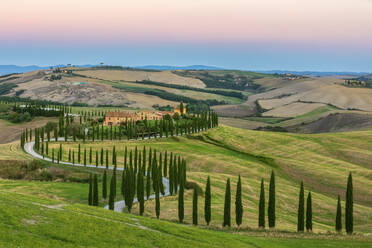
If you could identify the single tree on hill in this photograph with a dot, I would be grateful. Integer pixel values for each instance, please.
(261, 207)
(207, 204)
(238, 203)
(349, 206)
(227, 206)
(301, 210)
(271, 204)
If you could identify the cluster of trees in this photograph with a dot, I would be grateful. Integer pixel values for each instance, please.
(304, 219)
(143, 174)
(184, 87)
(170, 96)
(223, 81)
(130, 130)
(5, 88)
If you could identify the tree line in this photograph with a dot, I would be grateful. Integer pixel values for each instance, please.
(235, 94)
(166, 127)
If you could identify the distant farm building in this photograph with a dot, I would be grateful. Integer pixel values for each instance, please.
(116, 118)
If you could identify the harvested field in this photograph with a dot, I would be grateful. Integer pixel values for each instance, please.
(242, 110)
(293, 109)
(336, 122)
(93, 93)
(11, 132)
(317, 90)
(131, 75)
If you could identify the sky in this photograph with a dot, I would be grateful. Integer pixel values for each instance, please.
(317, 35)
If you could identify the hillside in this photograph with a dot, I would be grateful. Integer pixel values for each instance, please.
(231, 93)
(321, 161)
(43, 222)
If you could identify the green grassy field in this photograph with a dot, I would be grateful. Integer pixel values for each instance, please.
(141, 88)
(39, 221)
(322, 161)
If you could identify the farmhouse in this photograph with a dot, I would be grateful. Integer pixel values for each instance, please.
(116, 118)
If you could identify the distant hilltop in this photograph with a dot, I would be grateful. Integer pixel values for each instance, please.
(10, 69)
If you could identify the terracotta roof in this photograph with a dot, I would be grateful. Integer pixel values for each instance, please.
(119, 114)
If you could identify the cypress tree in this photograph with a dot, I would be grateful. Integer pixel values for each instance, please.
(207, 203)
(170, 175)
(271, 203)
(107, 158)
(301, 211)
(69, 154)
(112, 193)
(102, 156)
(238, 203)
(181, 203)
(261, 208)
(148, 185)
(104, 185)
(140, 192)
(165, 164)
(79, 153)
(349, 205)
(95, 190)
(227, 207)
(195, 207)
(157, 198)
(96, 158)
(338, 215)
(309, 213)
(85, 156)
(90, 197)
(73, 156)
(90, 155)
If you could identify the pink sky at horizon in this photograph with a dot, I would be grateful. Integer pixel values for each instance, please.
(324, 34)
(111, 21)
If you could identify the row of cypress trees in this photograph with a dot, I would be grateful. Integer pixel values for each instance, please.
(136, 171)
(162, 128)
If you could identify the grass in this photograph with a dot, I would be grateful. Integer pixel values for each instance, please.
(38, 221)
(142, 88)
(268, 120)
(310, 116)
(322, 161)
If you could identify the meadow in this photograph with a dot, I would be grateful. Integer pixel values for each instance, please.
(322, 161)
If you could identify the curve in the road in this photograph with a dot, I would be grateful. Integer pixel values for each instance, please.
(119, 205)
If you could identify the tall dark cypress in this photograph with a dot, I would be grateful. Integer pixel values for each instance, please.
(207, 203)
(271, 203)
(157, 193)
(195, 207)
(112, 193)
(165, 165)
(85, 156)
(95, 191)
(148, 185)
(140, 192)
(227, 206)
(238, 203)
(338, 226)
(79, 154)
(261, 206)
(107, 163)
(309, 214)
(301, 210)
(181, 209)
(104, 185)
(90, 196)
(170, 176)
(349, 205)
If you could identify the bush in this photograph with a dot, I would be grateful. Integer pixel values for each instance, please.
(194, 185)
